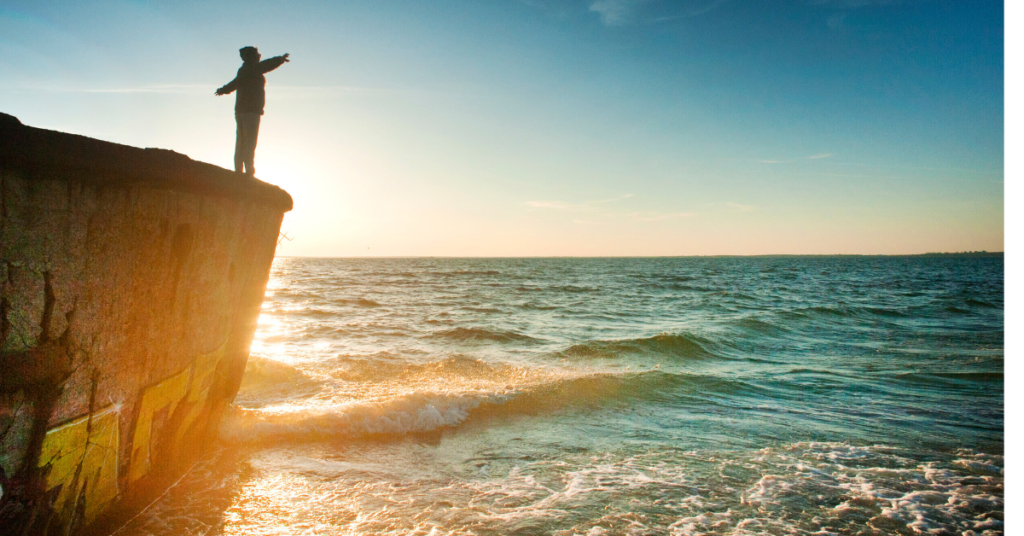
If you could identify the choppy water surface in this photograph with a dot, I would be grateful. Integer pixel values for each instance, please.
(612, 396)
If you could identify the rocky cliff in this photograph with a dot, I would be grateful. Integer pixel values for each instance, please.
(130, 285)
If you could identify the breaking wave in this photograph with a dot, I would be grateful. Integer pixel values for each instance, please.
(497, 392)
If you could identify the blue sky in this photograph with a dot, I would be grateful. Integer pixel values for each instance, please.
(558, 127)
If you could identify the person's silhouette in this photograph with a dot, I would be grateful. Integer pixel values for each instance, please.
(249, 103)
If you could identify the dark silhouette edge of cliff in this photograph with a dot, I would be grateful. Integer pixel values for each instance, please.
(52, 155)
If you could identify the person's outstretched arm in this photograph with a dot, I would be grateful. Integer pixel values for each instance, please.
(227, 88)
(273, 63)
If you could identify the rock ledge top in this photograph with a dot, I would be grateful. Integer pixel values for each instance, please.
(50, 155)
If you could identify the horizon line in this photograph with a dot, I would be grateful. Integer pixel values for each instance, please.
(954, 253)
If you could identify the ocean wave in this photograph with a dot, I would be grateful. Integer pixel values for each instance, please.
(951, 377)
(446, 405)
(760, 327)
(309, 312)
(673, 345)
(850, 311)
(884, 311)
(824, 311)
(476, 309)
(594, 391)
(686, 287)
(413, 413)
(482, 334)
(268, 382)
(677, 278)
(325, 309)
(290, 293)
(361, 302)
(387, 367)
(822, 372)
(572, 288)
(538, 306)
(981, 303)
(462, 273)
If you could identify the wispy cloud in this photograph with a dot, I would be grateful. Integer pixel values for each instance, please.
(619, 198)
(599, 209)
(586, 205)
(626, 12)
(166, 88)
(622, 12)
(616, 12)
(557, 205)
(852, 4)
(204, 89)
(744, 208)
(694, 9)
(336, 90)
(836, 20)
(818, 156)
(660, 216)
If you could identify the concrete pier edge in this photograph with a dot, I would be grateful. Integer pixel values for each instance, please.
(131, 282)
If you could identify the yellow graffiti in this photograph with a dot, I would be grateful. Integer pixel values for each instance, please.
(191, 386)
(81, 457)
(199, 389)
(162, 396)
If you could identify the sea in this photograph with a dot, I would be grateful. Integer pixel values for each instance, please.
(604, 396)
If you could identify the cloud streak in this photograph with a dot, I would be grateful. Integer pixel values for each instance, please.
(597, 208)
(586, 205)
(204, 89)
(818, 156)
(615, 12)
(619, 198)
(557, 205)
(853, 4)
(623, 12)
(165, 89)
(660, 216)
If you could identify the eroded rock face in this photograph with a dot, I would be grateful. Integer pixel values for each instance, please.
(130, 285)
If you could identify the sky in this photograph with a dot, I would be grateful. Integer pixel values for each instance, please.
(557, 127)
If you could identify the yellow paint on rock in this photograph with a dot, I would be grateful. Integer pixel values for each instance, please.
(191, 386)
(81, 457)
(199, 389)
(163, 396)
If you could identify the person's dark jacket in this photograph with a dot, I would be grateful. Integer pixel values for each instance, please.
(250, 84)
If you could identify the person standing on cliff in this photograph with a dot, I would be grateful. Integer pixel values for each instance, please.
(249, 103)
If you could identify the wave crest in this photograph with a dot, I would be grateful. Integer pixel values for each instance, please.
(683, 346)
(430, 410)
(483, 334)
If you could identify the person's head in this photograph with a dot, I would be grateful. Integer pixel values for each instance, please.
(249, 54)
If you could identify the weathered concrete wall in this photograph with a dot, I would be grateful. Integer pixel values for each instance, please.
(131, 281)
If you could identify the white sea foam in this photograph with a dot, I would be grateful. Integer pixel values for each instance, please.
(882, 487)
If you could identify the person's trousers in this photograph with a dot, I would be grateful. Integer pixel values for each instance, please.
(245, 140)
